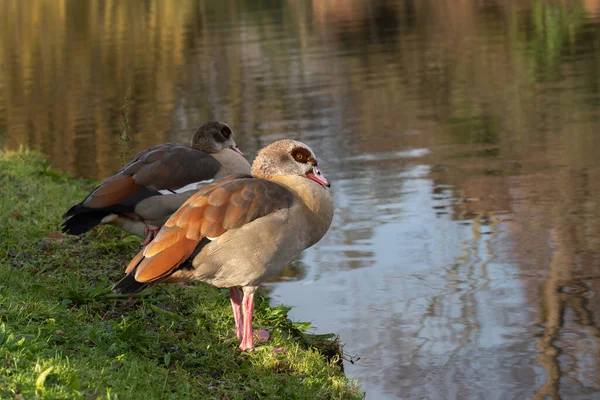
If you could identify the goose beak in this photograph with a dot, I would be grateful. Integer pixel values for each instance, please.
(235, 148)
(317, 176)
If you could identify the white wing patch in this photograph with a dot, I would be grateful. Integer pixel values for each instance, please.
(187, 187)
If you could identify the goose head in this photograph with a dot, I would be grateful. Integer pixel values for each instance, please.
(288, 157)
(214, 136)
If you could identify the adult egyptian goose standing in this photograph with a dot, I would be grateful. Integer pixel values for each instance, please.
(153, 185)
(241, 230)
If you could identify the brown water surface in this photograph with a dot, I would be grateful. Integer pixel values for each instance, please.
(461, 138)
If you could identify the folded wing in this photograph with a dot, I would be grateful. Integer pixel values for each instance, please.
(164, 167)
(226, 205)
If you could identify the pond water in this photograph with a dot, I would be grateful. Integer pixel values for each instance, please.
(461, 139)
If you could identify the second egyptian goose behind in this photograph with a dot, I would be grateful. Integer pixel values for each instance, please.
(240, 231)
(157, 182)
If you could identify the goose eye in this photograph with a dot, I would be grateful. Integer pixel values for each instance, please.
(301, 155)
(226, 131)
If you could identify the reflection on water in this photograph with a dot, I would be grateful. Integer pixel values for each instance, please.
(461, 139)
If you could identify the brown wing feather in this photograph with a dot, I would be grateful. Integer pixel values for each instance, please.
(164, 263)
(112, 191)
(133, 263)
(164, 167)
(176, 166)
(225, 205)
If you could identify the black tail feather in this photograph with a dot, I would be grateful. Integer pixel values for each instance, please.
(81, 219)
(81, 223)
(72, 210)
(129, 285)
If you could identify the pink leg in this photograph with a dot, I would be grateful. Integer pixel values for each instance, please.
(150, 234)
(248, 306)
(235, 295)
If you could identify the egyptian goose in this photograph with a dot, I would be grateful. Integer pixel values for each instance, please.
(241, 230)
(157, 182)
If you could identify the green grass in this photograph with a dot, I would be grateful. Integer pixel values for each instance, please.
(65, 335)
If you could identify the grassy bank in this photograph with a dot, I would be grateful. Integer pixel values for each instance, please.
(63, 334)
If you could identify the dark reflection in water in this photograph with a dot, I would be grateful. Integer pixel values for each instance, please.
(461, 139)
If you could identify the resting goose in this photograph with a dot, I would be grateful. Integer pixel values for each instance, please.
(142, 196)
(241, 230)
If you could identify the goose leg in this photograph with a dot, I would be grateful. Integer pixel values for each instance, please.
(150, 234)
(236, 296)
(248, 308)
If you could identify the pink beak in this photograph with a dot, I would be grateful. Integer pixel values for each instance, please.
(235, 148)
(317, 176)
